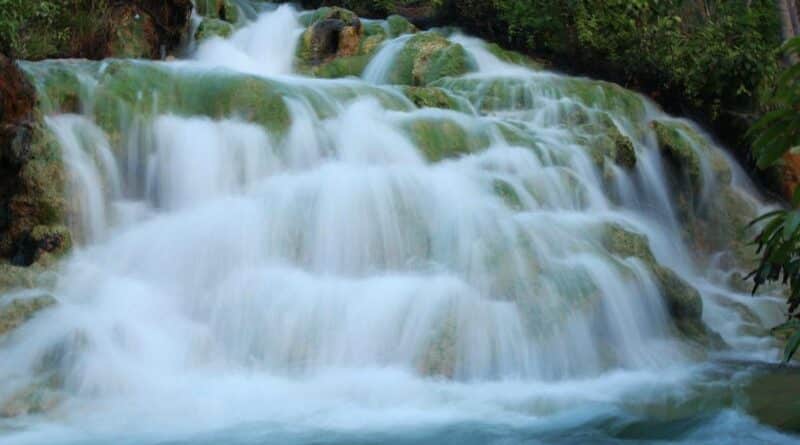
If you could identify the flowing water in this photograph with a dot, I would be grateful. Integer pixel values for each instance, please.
(269, 258)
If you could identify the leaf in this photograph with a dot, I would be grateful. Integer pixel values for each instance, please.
(791, 346)
(792, 222)
(765, 216)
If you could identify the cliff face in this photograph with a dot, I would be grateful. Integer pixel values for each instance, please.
(31, 175)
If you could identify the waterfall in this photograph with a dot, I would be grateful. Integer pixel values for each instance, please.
(257, 247)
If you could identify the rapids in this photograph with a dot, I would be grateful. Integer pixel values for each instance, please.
(265, 257)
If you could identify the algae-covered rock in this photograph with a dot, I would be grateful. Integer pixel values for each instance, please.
(126, 89)
(36, 398)
(677, 148)
(210, 28)
(771, 396)
(443, 138)
(682, 300)
(341, 67)
(399, 25)
(429, 97)
(330, 33)
(439, 360)
(225, 10)
(16, 312)
(428, 57)
(31, 174)
(609, 143)
(133, 34)
(513, 57)
(626, 243)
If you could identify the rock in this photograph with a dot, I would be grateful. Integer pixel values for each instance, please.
(133, 34)
(18, 311)
(17, 102)
(429, 97)
(771, 396)
(684, 303)
(36, 398)
(398, 25)
(210, 28)
(428, 57)
(224, 10)
(443, 138)
(334, 32)
(677, 149)
(514, 57)
(31, 174)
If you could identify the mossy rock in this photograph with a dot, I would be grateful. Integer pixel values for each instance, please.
(331, 33)
(399, 25)
(513, 57)
(677, 148)
(13, 314)
(428, 57)
(439, 359)
(133, 34)
(225, 10)
(341, 67)
(626, 243)
(128, 90)
(349, 18)
(682, 300)
(771, 396)
(210, 28)
(610, 143)
(505, 191)
(374, 28)
(443, 138)
(429, 97)
(37, 398)
(370, 44)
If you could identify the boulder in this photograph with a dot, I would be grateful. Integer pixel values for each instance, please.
(334, 32)
(428, 57)
(210, 28)
(682, 300)
(224, 10)
(32, 204)
(13, 314)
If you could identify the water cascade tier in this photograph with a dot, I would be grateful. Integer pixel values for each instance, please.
(320, 228)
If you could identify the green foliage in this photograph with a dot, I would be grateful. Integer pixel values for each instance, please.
(774, 134)
(38, 29)
(713, 54)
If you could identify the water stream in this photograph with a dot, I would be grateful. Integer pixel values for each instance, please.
(325, 277)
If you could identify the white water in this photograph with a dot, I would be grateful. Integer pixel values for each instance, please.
(334, 282)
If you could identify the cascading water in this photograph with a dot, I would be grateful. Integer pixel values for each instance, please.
(270, 258)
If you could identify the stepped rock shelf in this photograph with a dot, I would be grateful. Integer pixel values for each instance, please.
(313, 224)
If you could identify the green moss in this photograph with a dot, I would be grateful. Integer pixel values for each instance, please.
(341, 67)
(677, 148)
(17, 312)
(128, 89)
(213, 28)
(218, 9)
(440, 357)
(504, 190)
(513, 57)
(133, 35)
(443, 138)
(683, 301)
(428, 57)
(370, 44)
(398, 25)
(429, 97)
